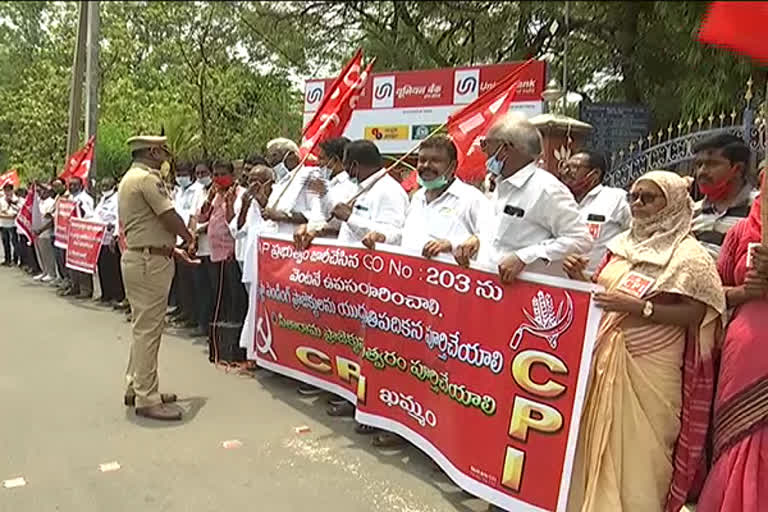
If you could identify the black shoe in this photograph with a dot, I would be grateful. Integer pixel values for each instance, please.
(309, 390)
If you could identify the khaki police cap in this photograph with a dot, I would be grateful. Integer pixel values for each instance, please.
(147, 141)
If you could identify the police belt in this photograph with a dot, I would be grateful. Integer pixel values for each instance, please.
(155, 251)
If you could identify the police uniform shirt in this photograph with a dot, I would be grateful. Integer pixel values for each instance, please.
(142, 197)
(606, 212)
(710, 226)
(382, 209)
(534, 215)
(106, 212)
(454, 216)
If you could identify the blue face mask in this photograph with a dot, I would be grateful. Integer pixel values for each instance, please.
(205, 180)
(493, 165)
(438, 182)
(183, 181)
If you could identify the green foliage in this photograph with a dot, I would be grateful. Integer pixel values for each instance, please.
(217, 75)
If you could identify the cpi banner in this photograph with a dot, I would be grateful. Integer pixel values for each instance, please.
(64, 211)
(487, 379)
(84, 243)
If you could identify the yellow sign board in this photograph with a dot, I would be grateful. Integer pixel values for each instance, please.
(396, 132)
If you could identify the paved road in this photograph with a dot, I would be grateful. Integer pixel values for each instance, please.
(61, 416)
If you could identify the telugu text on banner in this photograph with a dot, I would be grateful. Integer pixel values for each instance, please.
(446, 357)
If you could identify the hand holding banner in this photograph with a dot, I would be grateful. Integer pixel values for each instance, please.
(84, 241)
(441, 355)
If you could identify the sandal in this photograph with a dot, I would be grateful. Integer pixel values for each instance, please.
(343, 409)
(388, 440)
(365, 429)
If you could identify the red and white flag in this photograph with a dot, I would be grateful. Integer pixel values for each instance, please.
(738, 26)
(470, 124)
(79, 164)
(335, 110)
(11, 177)
(29, 215)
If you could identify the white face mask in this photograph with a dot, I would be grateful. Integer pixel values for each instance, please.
(280, 170)
(205, 181)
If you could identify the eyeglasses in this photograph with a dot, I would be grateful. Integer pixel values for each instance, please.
(645, 198)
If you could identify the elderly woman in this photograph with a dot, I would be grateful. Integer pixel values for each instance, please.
(739, 478)
(644, 422)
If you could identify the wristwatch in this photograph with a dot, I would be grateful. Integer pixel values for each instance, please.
(647, 309)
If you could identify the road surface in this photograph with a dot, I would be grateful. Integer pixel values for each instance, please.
(61, 417)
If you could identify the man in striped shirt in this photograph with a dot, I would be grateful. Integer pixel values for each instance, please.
(721, 164)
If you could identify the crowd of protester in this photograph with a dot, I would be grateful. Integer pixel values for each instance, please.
(677, 404)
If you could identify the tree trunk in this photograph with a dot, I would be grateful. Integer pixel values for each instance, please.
(627, 38)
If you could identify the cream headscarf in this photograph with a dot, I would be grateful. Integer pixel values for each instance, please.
(662, 246)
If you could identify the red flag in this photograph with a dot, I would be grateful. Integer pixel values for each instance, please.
(29, 215)
(80, 163)
(336, 108)
(467, 126)
(737, 26)
(11, 177)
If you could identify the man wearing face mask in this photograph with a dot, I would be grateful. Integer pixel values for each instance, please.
(150, 225)
(185, 201)
(445, 211)
(720, 164)
(82, 283)
(110, 278)
(326, 192)
(289, 204)
(604, 209)
(204, 285)
(382, 204)
(533, 219)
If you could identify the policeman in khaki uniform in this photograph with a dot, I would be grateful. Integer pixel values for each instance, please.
(150, 224)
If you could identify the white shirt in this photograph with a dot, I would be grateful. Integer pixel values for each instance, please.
(340, 189)
(106, 212)
(454, 216)
(46, 207)
(295, 199)
(84, 203)
(381, 209)
(239, 234)
(9, 208)
(203, 246)
(606, 212)
(534, 215)
(185, 201)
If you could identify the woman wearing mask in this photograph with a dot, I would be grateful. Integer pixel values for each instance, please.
(652, 362)
(738, 479)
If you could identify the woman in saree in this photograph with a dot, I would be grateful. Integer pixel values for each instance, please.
(644, 423)
(738, 480)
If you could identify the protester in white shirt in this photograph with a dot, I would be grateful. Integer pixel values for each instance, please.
(289, 203)
(380, 205)
(82, 283)
(327, 193)
(249, 220)
(9, 208)
(205, 287)
(82, 199)
(533, 220)
(604, 209)
(185, 201)
(445, 211)
(43, 232)
(110, 276)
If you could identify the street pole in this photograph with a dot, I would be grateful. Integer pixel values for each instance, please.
(92, 77)
(565, 59)
(76, 89)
